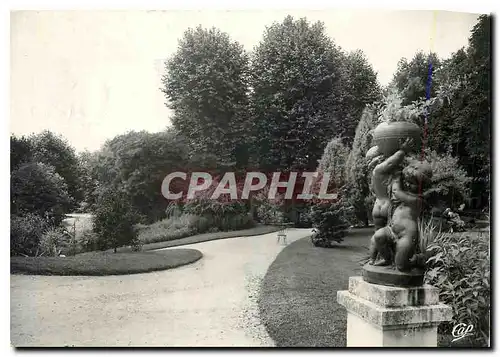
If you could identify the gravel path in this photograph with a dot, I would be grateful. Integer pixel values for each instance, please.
(212, 302)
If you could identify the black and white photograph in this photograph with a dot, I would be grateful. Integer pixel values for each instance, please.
(273, 177)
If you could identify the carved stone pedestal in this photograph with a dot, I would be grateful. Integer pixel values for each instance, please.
(386, 316)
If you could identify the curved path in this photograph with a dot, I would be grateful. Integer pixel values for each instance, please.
(212, 302)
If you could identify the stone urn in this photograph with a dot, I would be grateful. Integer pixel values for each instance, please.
(387, 136)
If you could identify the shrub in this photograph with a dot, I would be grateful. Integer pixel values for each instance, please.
(303, 218)
(460, 268)
(53, 241)
(25, 234)
(357, 175)
(269, 213)
(334, 160)
(89, 241)
(450, 183)
(174, 228)
(174, 209)
(329, 222)
(225, 216)
(114, 220)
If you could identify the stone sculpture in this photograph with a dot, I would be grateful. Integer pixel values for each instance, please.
(397, 182)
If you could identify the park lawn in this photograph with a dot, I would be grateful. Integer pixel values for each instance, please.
(205, 237)
(104, 263)
(298, 297)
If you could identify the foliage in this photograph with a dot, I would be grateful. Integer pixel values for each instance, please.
(206, 85)
(392, 109)
(450, 183)
(25, 234)
(87, 162)
(54, 150)
(357, 175)
(137, 163)
(223, 215)
(361, 88)
(269, 212)
(36, 188)
(187, 225)
(460, 268)
(114, 220)
(467, 118)
(174, 209)
(296, 94)
(334, 161)
(21, 151)
(329, 220)
(174, 228)
(412, 78)
(459, 110)
(53, 241)
(89, 241)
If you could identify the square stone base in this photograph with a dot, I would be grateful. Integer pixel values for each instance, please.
(363, 334)
(384, 316)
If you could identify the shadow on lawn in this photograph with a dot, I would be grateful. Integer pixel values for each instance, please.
(298, 297)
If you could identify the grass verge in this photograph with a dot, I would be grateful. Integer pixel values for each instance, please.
(104, 263)
(298, 298)
(199, 238)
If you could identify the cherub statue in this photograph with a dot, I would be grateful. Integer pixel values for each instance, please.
(383, 171)
(397, 242)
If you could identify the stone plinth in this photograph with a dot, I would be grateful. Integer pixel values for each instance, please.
(393, 277)
(386, 316)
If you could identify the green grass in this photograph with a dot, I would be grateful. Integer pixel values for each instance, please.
(104, 263)
(298, 299)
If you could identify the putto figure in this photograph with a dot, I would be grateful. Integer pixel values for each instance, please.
(383, 169)
(398, 240)
(397, 182)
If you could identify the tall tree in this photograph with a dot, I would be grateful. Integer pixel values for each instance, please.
(297, 97)
(334, 161)
(87, 162)
(21, 151)
(412, 78)
(357, 175)
(136, 163)
(38, 189)
(54, 150)
(463, 122)
(362, 88)
(206, 85)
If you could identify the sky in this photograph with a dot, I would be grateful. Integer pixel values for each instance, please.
(92, 75)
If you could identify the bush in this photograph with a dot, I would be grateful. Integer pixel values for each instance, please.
(89, 242)
(53, 241)
(303, 215)
(225, 216)
(460, 268)
(174, 228)
(334, 161)
(269, 213)
(357, 175)
(114, 220)
(329, 222)
(25, 234)
(450, 183)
